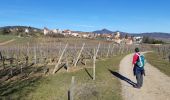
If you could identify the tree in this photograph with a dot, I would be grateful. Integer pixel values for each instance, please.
(145, 39)
(5, 31)
(126, 36)
(149, 40)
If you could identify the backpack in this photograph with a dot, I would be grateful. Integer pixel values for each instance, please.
(141, 61)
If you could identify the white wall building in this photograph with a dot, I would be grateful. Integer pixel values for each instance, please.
(75, 34)
(46, 31)
(57, 31)
(26, 30)
(85, 35)
(138, 39)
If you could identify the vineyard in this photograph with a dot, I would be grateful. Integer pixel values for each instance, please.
(164, 51)
(44, 57)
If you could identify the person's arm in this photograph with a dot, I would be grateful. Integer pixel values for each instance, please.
(135, 58)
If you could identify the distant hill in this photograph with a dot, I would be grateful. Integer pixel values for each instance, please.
(103, 31)
(20, 30)
(23, 27)
(106, 31)
(156, 35)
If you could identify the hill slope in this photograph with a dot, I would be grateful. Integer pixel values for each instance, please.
(19, 30)
(103, 31)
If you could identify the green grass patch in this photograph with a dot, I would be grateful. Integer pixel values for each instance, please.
(4, 38)
(55, 87)
(18, 40)
(157, 61)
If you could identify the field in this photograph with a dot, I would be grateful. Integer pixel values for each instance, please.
(56, 86)
(5, 38)
(43, 68)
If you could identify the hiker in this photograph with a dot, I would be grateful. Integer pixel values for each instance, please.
(138, 68)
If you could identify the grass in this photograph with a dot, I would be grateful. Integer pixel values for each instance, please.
(4, 38)
(55, 87)
(18, 40)
(42, 39)
(157, 61)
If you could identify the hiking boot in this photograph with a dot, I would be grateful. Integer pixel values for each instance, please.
(135, 86)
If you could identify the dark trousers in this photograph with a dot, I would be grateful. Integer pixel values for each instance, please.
(139, 78)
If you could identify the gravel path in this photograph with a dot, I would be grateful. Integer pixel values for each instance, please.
(156, 84)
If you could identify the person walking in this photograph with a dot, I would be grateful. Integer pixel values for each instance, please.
(138, 68)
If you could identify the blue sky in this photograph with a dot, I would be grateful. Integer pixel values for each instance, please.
(88, 15)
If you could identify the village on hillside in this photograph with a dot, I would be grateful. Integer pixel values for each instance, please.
(115, 37)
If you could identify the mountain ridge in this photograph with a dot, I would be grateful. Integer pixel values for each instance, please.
(149, 34)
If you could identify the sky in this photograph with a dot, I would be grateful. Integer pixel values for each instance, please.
(133, 16)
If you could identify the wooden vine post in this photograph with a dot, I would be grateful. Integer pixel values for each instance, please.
(71, 90)
(75, 64)
(94, 66)
(35, 55)
(59, 61)
(94, 61)
(108, 51)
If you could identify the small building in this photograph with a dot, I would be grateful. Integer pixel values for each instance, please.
(138, 39)
(57, 31)
(92, 35)
(27, 30)
(117, 35)
(66, 32)
(46, 31)
(117, 38)
(35, 30)
(74, 34)
(85, 35)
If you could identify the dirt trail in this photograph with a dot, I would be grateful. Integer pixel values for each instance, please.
(156, 84)
(6, 42)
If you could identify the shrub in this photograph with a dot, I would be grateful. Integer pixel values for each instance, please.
(149, 40)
